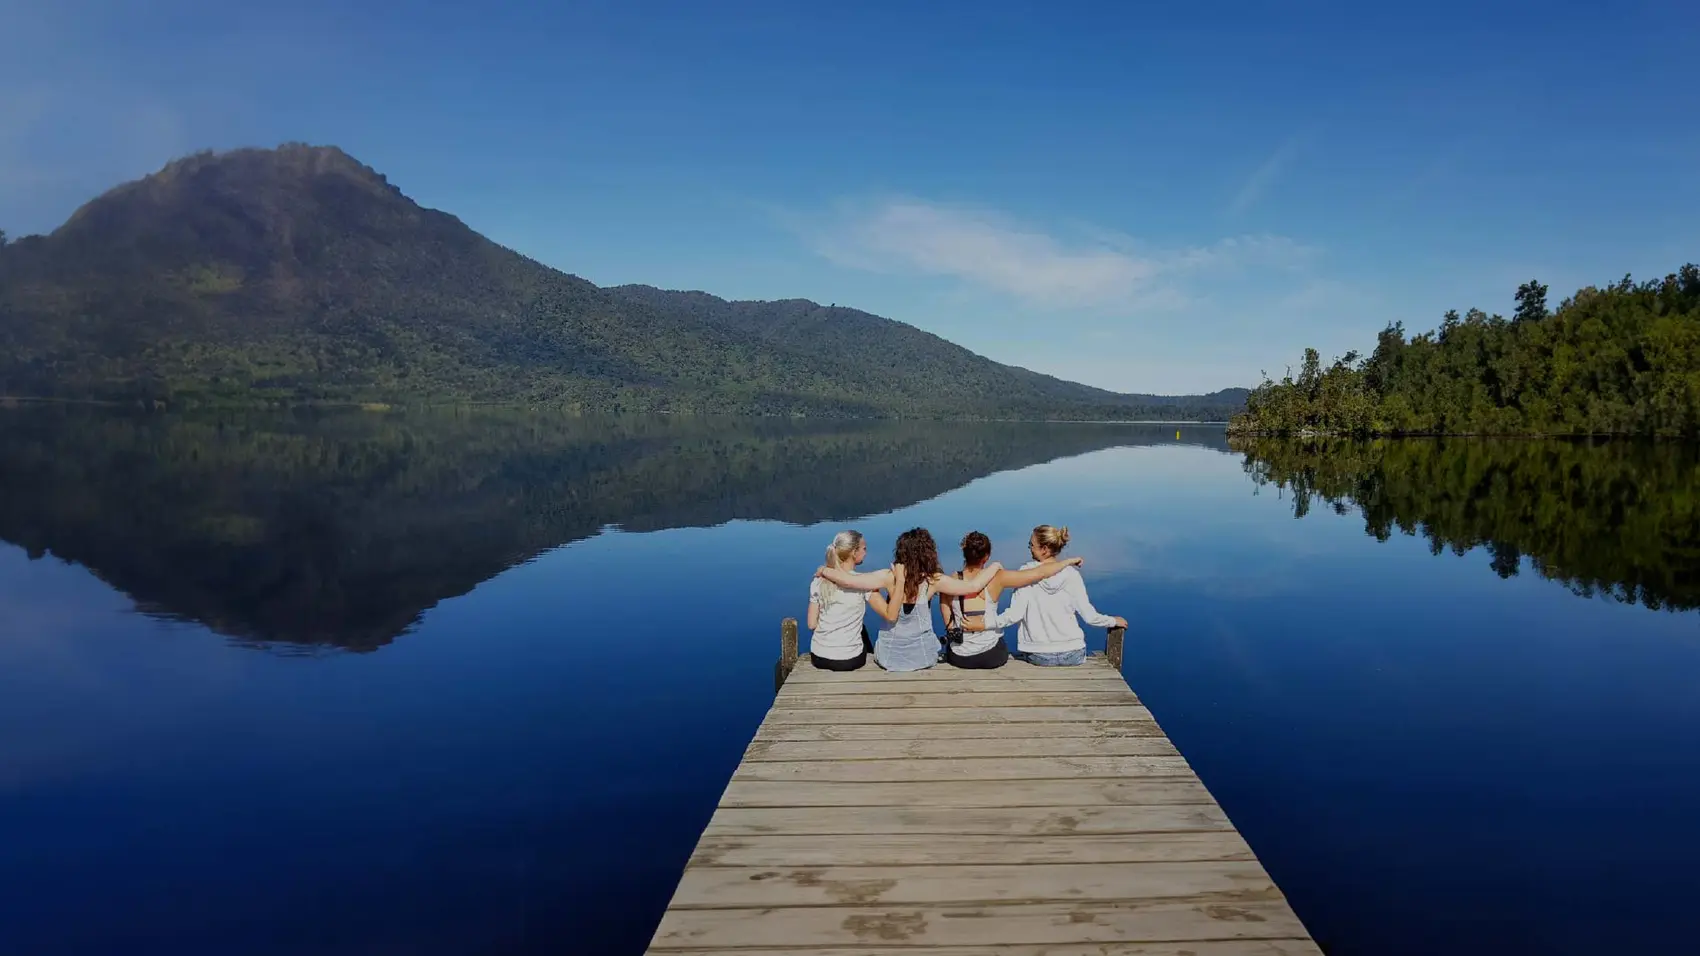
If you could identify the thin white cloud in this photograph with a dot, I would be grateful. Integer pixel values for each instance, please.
(987, 250)
(1262, 177)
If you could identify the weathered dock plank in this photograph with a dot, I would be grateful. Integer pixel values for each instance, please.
(1022, 811)
(967, 713)
(1067, 792)
(934, 747)
(909, 847)
(922, 820)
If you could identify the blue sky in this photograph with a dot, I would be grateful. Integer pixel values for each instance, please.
(1142, 198)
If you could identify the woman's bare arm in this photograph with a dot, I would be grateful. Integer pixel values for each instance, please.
(887, 609)
(1033, 575)
(891, 606)
(957, 587)
(856, 580)
(992, 620)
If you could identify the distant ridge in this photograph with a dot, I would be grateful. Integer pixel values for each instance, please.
(300, 274)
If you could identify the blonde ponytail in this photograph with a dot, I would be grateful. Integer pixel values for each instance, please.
(838, 554)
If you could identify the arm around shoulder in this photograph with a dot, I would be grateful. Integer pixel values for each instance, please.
(957, 587)
(1035, 574)
(857, 580)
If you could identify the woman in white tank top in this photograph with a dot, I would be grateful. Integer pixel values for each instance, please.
(839, 635)
(970, 647)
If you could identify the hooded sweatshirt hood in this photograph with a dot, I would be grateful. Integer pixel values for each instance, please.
(1055, 582)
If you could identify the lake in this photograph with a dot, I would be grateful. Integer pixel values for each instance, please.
(472, 682)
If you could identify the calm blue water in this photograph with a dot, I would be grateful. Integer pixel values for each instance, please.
(350, 685)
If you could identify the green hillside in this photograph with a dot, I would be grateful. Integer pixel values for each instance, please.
(299, 274)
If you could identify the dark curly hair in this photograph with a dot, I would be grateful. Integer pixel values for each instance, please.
(976, 548)
(920, 559)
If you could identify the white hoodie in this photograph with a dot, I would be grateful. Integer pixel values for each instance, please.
(1046, 611)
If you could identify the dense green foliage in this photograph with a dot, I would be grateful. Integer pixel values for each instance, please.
(340, 527)
(1615, 519)
(1624, 360)
(299, 275)
(893, 359)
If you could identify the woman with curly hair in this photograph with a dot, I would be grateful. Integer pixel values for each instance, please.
(906, 640)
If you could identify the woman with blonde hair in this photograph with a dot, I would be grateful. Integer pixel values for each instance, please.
(839, 638)
(907, 641)
(1049, 636)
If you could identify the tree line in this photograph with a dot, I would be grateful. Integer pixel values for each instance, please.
(1619, 360)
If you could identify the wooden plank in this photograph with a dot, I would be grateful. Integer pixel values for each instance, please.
(925, 820)
(756, 886)
(934, 746)
(1204, 947)
(963, 769)
(1020, 698)
(1037, 730)
(1217, 916)
(931, 849)
(958, 715)
(1149, 791)
(1106, 680)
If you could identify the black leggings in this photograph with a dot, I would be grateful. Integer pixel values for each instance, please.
(854, 663)
(992, 657)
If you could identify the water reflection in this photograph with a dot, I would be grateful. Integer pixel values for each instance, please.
(339, 529)
(528, 771)
(1616, 520)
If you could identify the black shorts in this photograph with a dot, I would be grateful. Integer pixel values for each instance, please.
(992, 657)
(850, 664)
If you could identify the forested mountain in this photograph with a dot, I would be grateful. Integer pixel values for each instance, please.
(1623, 360)
(892, 358)
(299, 274)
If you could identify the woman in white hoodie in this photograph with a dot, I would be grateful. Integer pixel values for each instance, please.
(1049, 636)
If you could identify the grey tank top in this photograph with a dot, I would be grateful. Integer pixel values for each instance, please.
(909, 643)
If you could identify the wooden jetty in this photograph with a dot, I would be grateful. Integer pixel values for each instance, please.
(1024, 811)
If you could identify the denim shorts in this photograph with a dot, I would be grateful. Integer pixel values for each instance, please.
(1063, 659)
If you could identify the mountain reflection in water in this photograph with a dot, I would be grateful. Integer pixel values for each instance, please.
(340, 528)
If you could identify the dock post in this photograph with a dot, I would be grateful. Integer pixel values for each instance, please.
(1113, 645)
(787, 652)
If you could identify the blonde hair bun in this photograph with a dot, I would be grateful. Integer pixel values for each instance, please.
(1052, 538)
